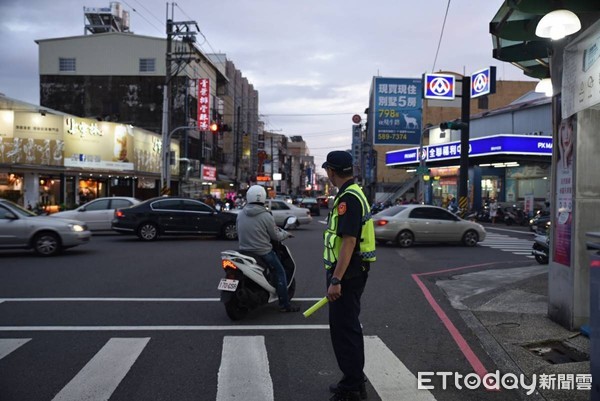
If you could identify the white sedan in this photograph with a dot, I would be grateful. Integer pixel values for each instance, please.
(281, 210)
(98, 214)
(407, 224)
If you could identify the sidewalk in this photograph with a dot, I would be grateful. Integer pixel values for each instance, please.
(507, 309)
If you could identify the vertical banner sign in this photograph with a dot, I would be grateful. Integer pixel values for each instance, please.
(562, 230)
(203, 104)
(398, 111)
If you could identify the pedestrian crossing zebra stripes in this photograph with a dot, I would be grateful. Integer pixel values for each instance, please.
(506, 243)
(244, 372)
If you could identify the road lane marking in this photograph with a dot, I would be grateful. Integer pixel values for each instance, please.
(8, 345)
(460, 341)
(388, 375)
(166, 328)
(244, 371)
(100, 377)
(130, 299)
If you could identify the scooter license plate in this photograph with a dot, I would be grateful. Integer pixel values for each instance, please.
(228, 285)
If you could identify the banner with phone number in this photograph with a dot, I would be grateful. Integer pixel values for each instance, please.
(398, 111)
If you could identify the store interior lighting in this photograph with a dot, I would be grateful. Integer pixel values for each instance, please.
(558, 24)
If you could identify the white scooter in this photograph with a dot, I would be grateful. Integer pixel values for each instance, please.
(249, 282)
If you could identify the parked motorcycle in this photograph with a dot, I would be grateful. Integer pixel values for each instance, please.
(541, 248)
(250, 282)
(516, 216)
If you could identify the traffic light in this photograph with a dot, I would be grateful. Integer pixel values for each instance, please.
(214, 127)
(453, 125)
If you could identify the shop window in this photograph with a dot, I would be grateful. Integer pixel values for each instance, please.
(67, 64)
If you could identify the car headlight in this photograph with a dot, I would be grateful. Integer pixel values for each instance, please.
(77, 227)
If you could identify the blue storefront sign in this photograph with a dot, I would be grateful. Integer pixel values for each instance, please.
(439, 86)
(483, 82)
(397, 113)
(484, 146)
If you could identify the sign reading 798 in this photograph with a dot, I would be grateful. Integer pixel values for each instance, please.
(397, 113)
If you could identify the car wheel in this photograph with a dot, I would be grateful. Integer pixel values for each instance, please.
(46, 244)
(229, 231)
(542, 260)
(471, 238)
(405, 238)
(147, 232)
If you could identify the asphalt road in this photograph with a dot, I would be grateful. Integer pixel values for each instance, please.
(145, 318)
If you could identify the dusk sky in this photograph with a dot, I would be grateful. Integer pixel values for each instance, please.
(311, 61)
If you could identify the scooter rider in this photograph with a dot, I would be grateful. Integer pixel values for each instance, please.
(256, 229)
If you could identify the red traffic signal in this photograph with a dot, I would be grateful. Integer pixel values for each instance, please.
(214, 127)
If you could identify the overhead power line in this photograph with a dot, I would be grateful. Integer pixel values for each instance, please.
(441, 35)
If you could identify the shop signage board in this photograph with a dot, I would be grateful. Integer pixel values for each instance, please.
(484, 146)
(483, 82)
(203, 112)
(397, 110)
(209, 173)
(439, 86)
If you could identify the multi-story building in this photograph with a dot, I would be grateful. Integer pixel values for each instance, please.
(120, 77)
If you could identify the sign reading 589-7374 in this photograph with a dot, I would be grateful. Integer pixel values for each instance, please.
(397, 110)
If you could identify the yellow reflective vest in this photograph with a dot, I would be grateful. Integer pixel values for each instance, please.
(333, 242)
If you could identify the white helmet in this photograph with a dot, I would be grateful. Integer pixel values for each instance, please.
(256, 194)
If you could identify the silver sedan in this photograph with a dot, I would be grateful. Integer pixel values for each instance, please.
(98, 214)
(407, 224)
(47, 236)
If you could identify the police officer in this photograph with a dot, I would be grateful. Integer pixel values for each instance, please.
(349, 248)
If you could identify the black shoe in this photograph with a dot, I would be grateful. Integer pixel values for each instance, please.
(346, 396)
(290, 308)
(362, 391)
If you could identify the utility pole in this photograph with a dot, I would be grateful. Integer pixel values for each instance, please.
(463, 190)
(183, 56)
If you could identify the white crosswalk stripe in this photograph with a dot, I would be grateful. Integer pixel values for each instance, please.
(103, 373)
(8, 345)
(388, 375)
(517, 246)
(243, 373)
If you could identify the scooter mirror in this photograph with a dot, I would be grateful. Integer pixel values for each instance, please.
(290, 222)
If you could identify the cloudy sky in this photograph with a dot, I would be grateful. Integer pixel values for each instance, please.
(312, 61)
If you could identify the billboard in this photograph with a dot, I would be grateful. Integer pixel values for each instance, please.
(397, 114)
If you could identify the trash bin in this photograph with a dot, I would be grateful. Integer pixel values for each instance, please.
(594, 314)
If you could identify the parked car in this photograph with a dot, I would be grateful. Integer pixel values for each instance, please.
(98, 214)
(407, 224)
(281, 210)
(47, 236)
(312, 205)
(173, 216)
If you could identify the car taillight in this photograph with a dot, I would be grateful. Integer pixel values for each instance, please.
(119, 213)
(381, 222)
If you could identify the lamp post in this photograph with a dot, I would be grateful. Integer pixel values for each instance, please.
(165, 172)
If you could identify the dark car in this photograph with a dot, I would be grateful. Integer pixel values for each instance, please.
(174, 216)
(311, 204)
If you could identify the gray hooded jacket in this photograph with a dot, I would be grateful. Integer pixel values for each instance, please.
(256, 228)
